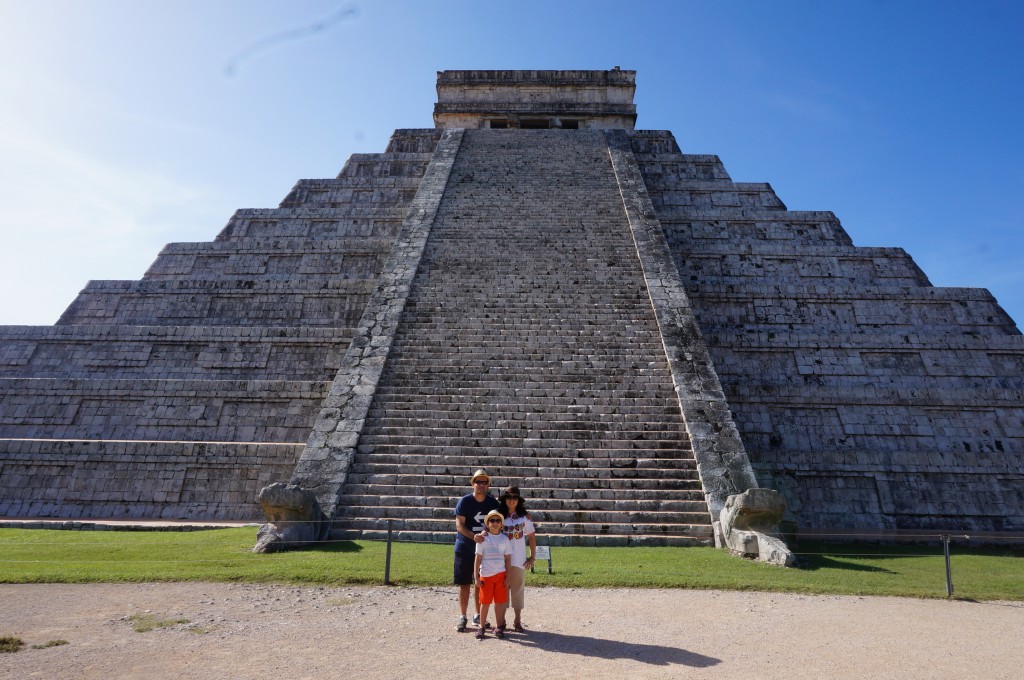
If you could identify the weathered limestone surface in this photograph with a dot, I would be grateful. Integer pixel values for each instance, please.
(139, 479)
(185, 393)
(323, 467)
(573, 304)
(529, 346)
(749, 525)
(870, 398)
(549, 99)
(721, 459)
(294, 519)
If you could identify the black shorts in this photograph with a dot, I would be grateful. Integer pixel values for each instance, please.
(464, 568)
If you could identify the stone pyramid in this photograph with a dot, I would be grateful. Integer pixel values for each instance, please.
(536, 288)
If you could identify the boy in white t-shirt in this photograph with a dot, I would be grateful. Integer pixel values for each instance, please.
(493, 559)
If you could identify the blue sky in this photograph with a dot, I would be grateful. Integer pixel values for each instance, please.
(123, 125)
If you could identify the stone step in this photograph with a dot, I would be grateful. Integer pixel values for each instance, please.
(545, 484)
(638, 389)
(373, 472)
(550, 333)
(613, 412)
(559, 370)
(681, 502)
(383, 422)
(538, 317)
(575, 429)
(481, 356)
(544, 330)
(686, 536)
(511, 404)
(575, 397)
(514, 347)
(417, 457)
(539, 514)
(547, 529)
(560, 477)
(589, 441)
(527, 447)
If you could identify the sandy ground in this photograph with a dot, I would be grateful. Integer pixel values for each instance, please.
(260, 631)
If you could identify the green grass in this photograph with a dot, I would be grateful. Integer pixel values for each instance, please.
(51, 643)
(41, 556)
(9, 644)
(143, 623)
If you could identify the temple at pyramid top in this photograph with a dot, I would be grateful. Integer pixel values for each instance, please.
(536, 99)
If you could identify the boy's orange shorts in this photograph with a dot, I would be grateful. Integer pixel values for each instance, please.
(492, 589)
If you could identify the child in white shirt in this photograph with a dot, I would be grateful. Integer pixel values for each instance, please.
(493, 559)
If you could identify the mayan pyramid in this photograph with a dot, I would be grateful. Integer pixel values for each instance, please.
(537, 288)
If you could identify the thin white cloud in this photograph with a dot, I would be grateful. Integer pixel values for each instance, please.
(66, 217)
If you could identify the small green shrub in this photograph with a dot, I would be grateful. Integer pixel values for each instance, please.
(51, 643)
(9, 643)
(143, 623)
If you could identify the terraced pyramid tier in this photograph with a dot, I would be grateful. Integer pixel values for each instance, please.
(529, 347)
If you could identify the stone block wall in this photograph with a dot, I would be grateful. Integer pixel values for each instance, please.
(133, 479)
(180, 395)
(870, 398)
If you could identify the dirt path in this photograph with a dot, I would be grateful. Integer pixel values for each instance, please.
(254, 631)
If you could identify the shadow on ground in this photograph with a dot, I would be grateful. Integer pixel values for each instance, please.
(824, 562)
(597, 648)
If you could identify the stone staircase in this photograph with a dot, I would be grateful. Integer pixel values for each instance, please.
(529, 347)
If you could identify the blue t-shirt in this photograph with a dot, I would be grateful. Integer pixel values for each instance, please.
(474, 511)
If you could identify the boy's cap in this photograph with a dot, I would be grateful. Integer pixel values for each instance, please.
(478, 474)
(494, 513)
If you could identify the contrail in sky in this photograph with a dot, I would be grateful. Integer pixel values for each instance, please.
(320, 26)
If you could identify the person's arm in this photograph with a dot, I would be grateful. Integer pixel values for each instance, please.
(476, 568)
(508, 565)
(532, 539)
(460, 526)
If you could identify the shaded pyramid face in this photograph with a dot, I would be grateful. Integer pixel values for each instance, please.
(540, 290)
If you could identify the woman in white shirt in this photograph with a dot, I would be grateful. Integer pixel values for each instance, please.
(520, 531)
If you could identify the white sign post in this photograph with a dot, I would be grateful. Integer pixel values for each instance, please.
(543, 552)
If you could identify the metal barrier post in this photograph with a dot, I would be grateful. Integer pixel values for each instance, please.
(387, 558)
(949, 575)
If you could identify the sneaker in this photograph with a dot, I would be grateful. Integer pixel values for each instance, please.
(499, 632)
(481, 634)
(461, 626)
(476, 619)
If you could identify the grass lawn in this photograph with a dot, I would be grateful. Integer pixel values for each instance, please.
(49, 556)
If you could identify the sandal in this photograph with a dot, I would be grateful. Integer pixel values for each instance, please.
(481, 634)
(499, 632)
(519, 627)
